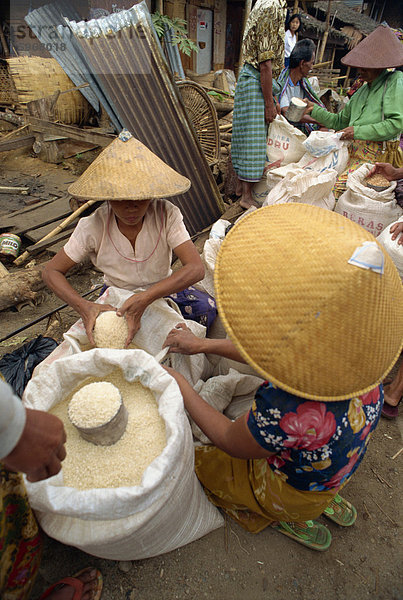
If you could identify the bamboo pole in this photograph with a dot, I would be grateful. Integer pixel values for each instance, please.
(325, 35)
(21, 259)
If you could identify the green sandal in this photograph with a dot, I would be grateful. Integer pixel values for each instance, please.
(341, 512)
(309, 533)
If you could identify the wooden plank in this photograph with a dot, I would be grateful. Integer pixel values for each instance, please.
(74, 133)
(63, 235)
(37, 216)
(35, 235)
(21, 142)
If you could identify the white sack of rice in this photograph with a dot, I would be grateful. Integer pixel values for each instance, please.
(110, 331)
(94, 404)
(87, 466)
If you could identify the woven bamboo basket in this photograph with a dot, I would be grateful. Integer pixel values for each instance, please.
(203, 116)
(35, 77)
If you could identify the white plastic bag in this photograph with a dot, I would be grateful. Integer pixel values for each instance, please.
(167, 510)
(392, 247)
(371, 209)
(284, 142)
(284, 146)
(336, 159)
(307, 187)
(321, 143)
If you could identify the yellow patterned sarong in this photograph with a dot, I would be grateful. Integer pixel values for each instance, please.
(254, 495)
(20, 540)
(361, 152)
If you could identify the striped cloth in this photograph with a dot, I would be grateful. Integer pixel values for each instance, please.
(249, 129)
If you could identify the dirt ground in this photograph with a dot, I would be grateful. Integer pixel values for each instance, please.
(364, 561)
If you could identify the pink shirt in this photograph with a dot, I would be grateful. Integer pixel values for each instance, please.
(99, 238)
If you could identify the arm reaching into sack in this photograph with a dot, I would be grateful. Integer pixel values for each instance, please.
(387, 170)
(233, 437)
(54, 275)
(182, 340)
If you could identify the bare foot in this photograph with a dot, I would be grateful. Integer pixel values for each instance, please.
(246, 203)
(66, 592)
(389, 398)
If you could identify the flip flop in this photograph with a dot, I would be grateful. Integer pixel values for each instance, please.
(341, 511)
(308, 533)
(77, 585)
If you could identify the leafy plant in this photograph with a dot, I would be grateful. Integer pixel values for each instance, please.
(179, 32)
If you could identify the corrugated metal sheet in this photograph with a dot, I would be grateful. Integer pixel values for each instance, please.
(124, 55)
(44, 22)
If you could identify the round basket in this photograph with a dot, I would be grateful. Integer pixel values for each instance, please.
(203, 116)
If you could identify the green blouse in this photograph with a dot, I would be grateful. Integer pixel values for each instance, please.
(375, 111)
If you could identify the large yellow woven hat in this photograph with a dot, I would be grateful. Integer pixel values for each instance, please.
(128, 170)
(298, 301)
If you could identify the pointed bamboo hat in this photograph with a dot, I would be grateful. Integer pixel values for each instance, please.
(380, 50)
(310, 300)
(128, 170)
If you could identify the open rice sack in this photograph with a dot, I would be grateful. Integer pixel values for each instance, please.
(157, 321)
(306, 187)
(392, 247)
(166, 510)
(369, 208)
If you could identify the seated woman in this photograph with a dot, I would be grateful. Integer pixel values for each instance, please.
(294, 82)
(131, 237)
(373, 117)
(285, 461)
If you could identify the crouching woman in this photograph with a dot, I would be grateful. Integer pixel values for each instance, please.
(315, 305)
(131, 237)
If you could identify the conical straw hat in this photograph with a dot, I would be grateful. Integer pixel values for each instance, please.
(128, 170)
(380, 50)
(298, 311)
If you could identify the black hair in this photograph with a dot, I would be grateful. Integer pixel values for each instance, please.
(295, 16)
(303, 50)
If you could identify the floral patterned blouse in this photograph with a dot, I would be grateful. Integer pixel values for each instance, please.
(317, 445)
(264, 35)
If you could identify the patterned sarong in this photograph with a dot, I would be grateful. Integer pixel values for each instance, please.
(249, 129)
(251, 493)
(20, 540)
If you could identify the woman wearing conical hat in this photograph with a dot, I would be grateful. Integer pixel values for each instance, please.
(373, 117)
(314, 304)
(131, 236)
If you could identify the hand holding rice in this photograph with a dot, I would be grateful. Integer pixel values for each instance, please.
(110, 331)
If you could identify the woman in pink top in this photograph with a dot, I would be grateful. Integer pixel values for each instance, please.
(131, 237)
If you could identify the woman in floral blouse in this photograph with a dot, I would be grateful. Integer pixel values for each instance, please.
(319, 290)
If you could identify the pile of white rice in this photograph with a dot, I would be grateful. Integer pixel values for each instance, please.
(89, 466)
(110, 331)
(94, 404)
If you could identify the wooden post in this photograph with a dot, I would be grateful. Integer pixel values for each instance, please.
(346, 78)
(3, 41)
(248, 6)
(295, 7)
(326, 33)
(332, 59)
(159, 6)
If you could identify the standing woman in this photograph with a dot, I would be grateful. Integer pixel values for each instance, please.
(291, 30)
(373, 117)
